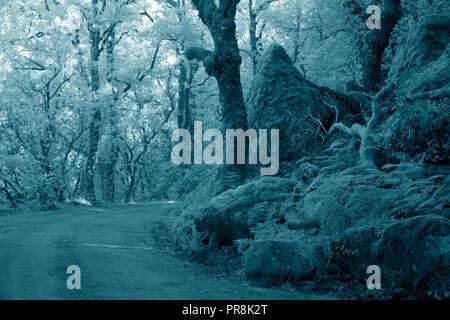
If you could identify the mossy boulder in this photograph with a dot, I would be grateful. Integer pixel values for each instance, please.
(232, 214)
(281, 98)
(268, 262)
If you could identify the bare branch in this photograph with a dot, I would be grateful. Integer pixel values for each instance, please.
(146, 14)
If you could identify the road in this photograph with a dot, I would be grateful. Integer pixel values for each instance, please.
(117, 261)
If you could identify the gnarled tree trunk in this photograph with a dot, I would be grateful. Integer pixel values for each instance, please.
(224, 64)
(376, 41)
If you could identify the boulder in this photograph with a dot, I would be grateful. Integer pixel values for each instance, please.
(272, 261)
(306, 172)
(351, 252)
(353, 198)
(421, 65)
(416, 131)
(281, 98)
(417, 128)
(415, 253)
(359, 196)
(232, 214)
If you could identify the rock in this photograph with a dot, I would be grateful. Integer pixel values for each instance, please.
(359, 196)
(305, 173)
(281, 98)
(410, 170)
(351, 252)
(232, 214)
(422, 63)
(349, 199)
(415, 253)
(417, 131)
(303, 224)
(417, 126)
(274, 261)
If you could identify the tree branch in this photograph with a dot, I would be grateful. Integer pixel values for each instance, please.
(146, 14)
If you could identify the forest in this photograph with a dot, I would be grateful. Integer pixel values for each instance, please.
(96, 94)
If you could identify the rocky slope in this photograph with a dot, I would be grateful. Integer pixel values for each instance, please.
(331, 215)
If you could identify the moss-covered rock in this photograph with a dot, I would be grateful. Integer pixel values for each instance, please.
(353, 198)
(232, 214)
(422, 62)
(268, 262)
(415, 253)
(281, 98)
(416, 126)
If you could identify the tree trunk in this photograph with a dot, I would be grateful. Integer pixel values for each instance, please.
(94, 129)
(184, 95)
(187, 73)
(130, 189)
(49, 188)
(9, 197)
(376, 41)
(253, 39)
(112, 155)
(224, 64)
(183, 112)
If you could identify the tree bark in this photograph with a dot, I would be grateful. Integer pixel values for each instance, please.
(368, 151)
(9, 197)
(184, 93)
(181, 95)
(94, 129)
(253, 39)
(130, 189)
(376, 41)
(112, 155)
(224, 64)
(187, 72)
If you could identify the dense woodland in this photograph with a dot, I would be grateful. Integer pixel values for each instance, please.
(91, 91)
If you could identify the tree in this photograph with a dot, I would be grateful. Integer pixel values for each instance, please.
(376, 41)
(224, 64)
(254, 12)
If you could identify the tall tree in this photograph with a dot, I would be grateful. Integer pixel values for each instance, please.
(254, 12)
(376, 41)
(112, 156)
(94, 129)
(224, 64)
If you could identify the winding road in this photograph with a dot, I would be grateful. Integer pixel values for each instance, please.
(117, 261)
